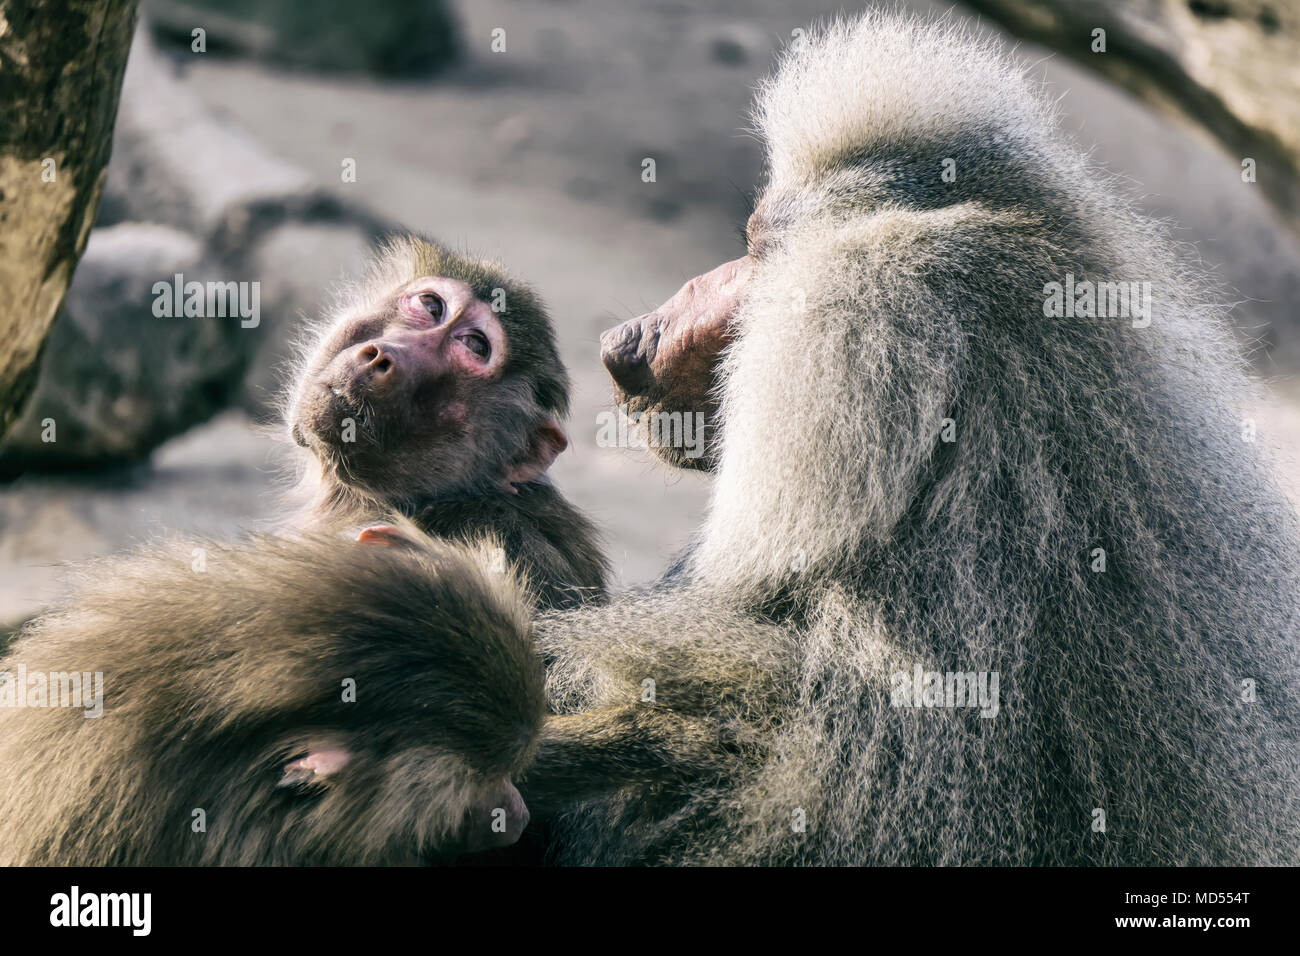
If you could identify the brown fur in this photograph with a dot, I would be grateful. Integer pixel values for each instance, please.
(246, 670)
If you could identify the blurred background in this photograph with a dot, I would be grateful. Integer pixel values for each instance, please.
(515, 129)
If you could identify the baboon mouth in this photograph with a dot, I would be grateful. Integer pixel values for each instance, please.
(338, 404)
(334, 421)
(337, 396)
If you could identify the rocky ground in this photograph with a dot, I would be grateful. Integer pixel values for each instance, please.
(534, 155)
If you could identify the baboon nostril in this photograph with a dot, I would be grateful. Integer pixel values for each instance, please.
(374, 361)
(629, 369)
(626, 351)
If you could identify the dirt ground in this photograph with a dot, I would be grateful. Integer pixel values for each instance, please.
(535, 156)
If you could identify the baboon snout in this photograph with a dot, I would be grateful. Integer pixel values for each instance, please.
(674, 348)
(374, 366)
(627, 351)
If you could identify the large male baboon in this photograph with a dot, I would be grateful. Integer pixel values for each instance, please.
(924, 466)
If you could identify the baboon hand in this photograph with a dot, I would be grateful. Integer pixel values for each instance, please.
(666, 361)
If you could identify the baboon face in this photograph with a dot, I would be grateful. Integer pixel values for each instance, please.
(666, 361)
(414, 396)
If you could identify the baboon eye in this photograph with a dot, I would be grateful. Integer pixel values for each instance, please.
(477, 343)
(434, 305)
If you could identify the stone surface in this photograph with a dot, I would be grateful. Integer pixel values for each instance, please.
(385, 37)
(189, 193)
(61, 66)
(116, 380)
(1227, 66)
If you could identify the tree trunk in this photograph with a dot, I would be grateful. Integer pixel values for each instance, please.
(61, 65)
(1230, 66)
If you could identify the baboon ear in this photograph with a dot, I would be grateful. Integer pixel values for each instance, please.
(383, 535)
(321, 764)
(544, 446)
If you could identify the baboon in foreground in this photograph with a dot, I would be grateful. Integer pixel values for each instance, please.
(285, 699)
(289, 705)
(932, 472)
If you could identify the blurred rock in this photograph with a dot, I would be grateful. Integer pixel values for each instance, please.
(301, 264)
(385, 37)
(61, 68)
(663, 210)
(728, 51)
(190, 194)
(737, 44)
(117, 380)
(175, 161)
(1228, 67)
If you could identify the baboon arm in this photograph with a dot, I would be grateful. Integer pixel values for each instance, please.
(582, 756)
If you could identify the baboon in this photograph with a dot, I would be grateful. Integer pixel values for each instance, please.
(290, 705)
(926, 465)
(435, 389)
(228, 734)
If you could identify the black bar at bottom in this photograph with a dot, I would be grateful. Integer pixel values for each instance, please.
(612, 908)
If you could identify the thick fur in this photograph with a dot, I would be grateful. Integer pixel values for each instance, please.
(206, 712)
(552, 543)
(847, 542)
(743, 712)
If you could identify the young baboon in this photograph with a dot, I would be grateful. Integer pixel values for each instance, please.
(291, 704)
(299, 698)
(435, 390)
(928, 465)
